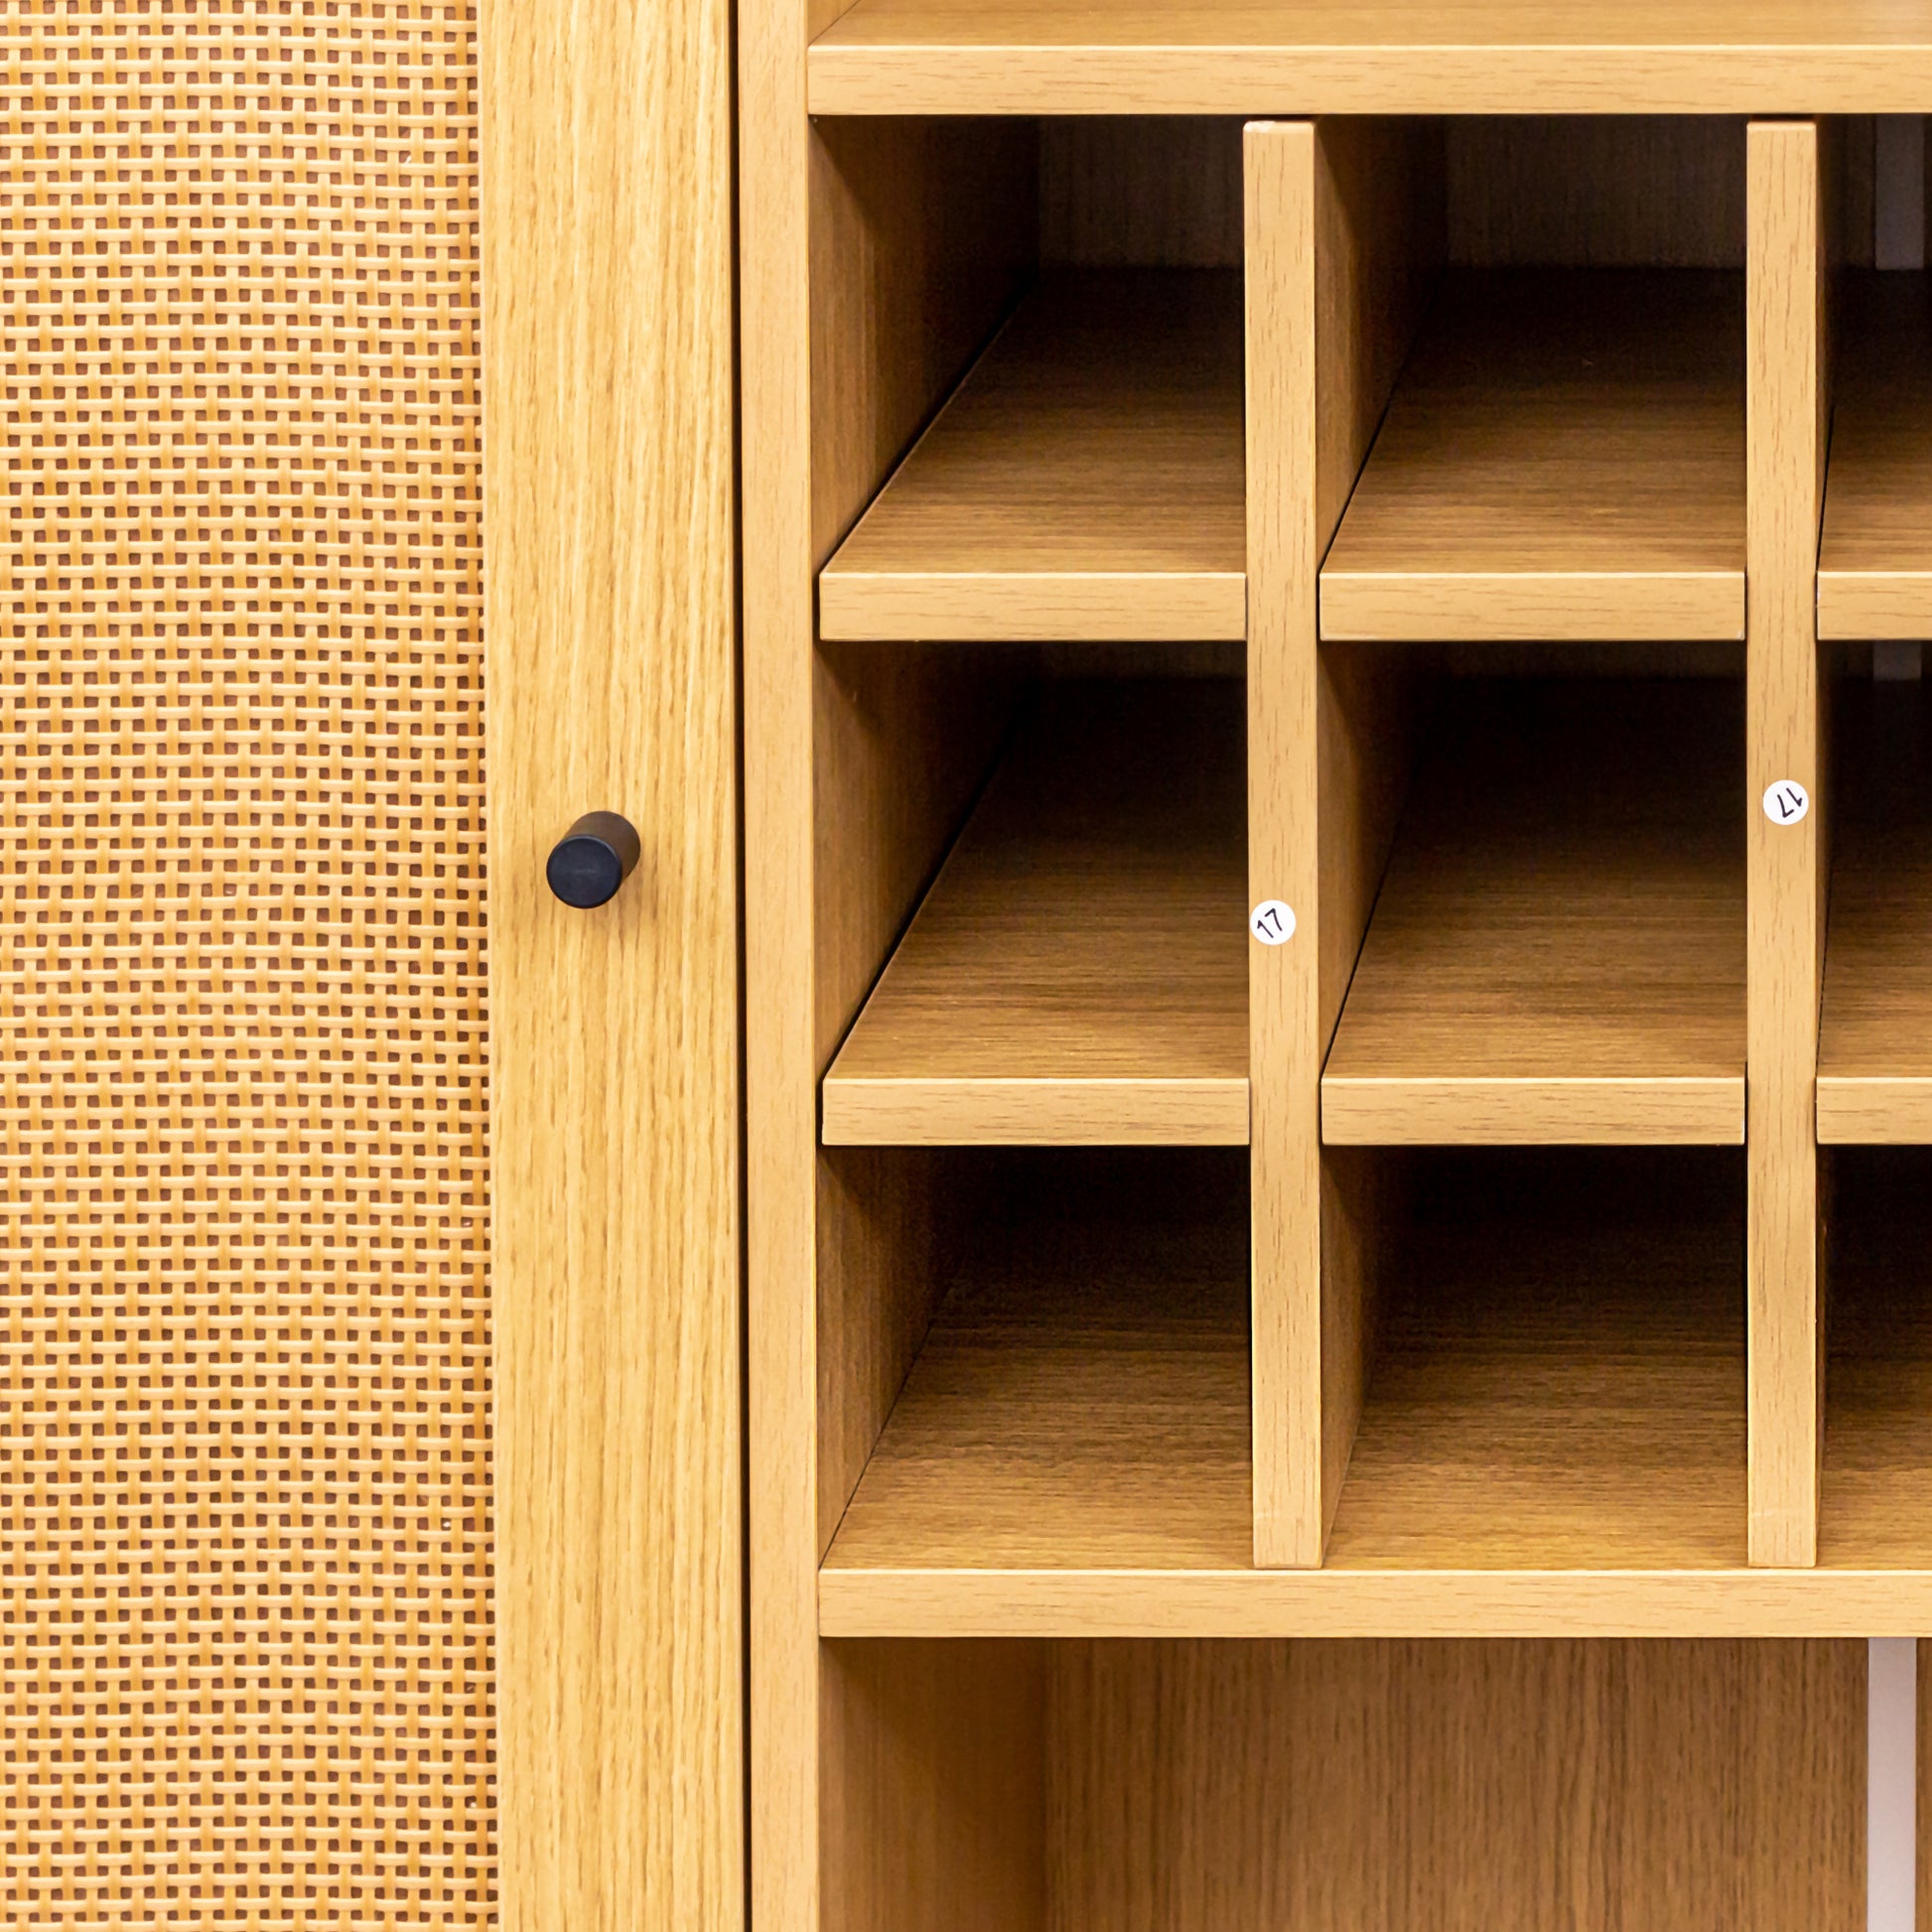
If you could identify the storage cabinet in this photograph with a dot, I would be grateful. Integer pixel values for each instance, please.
(1334, 940)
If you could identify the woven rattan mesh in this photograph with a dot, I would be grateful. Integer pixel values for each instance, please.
(244, 1474)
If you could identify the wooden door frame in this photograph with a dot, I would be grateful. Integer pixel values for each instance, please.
(611, 619)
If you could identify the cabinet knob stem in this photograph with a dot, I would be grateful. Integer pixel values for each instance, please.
(593, 859)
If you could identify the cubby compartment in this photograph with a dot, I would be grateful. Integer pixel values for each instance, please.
(1874, 560)
(1084, 478)
(1079, 1400)
(1876, 1504)
(1178, 1786)
(1556, 1374)
(1557, 951)
(1875, 1032)
(1562, 457)
(1077, 972)
(1084, 481)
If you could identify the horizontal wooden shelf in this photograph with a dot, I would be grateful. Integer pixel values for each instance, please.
(1085, 482)
(1317, 57)
(1558, 951)
(1078, 972)
(1874, 560)
(1562, 460)
(1874, 1029)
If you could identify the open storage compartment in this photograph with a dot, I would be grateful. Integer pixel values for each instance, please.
(1080, 1398)
(1556, 1366)
(1375, 1786)
(1557, 952)
(1084, 478)
(1078, 971)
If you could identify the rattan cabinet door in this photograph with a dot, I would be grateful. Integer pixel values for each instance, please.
(251, 1273)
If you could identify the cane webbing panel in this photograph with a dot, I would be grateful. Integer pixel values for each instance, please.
(244, 1455)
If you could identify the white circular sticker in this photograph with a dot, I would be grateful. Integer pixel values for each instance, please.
(1786, 802)
(1272, 922)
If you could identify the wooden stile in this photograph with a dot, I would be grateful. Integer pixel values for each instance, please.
(1788, 411)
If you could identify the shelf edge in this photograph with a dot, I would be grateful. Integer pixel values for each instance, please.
(1696, 1110)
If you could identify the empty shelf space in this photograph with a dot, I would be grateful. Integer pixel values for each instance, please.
(1874, 1030)
(1875, 562)
(1339, 56)
(1078, 972)
(1876, 1501)
(1560, 1380)
(1563, 458)
(1558, 950)
(1081, 1400)
(1085, 482)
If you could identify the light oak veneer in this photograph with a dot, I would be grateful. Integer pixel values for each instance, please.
(1563, 457)
(1085, 482)
(1874, 563)
(1558, 952)
(1496, 56)
(1079, 970)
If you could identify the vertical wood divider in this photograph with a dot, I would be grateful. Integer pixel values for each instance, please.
(1340, 236)
(1788, 416)
(1284, 1051)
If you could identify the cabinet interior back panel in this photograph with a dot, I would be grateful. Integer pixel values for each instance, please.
(244, 1339)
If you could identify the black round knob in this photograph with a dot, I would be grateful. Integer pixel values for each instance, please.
(593, 859)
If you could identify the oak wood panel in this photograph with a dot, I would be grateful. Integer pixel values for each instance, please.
(1558, 951)
(1788, 404)
(1158, 190)
(1281, 170)
(1632, 190)
(1463, 1786)
(1875, 1496)
(615, 1238)
(1344, 224)
(935, 1808)
(1084, 481)
(874, 262)
(1509, 56)
(1563, 457)
(1874, 561)
(1077, 972)
(1874, 1034)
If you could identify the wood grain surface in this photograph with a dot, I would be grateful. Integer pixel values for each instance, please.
(1875, 1033)
(613, 1054)
(1558, 951)
(1327, 57)
(1788, 388)
(1077, 972)
(1875, 1497)
(1085, 481)
(1462, 1786)
(1874, 560)
(1563, 457)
